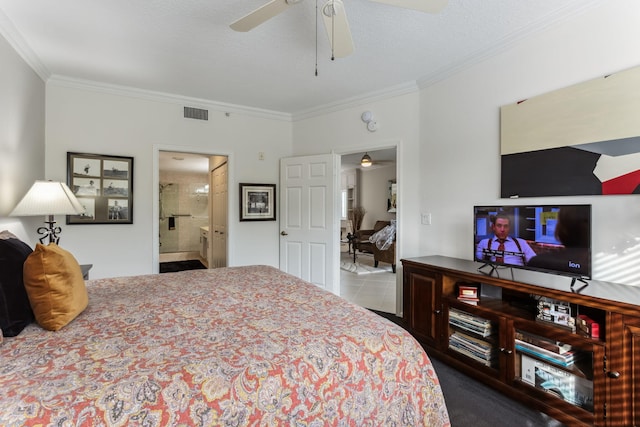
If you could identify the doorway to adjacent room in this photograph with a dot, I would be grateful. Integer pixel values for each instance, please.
(369, 189)
(192, 204)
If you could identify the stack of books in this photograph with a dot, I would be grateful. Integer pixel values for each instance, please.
(469, 336)
(547, 350)
(471, 323)
(475, 348)
(468, 293)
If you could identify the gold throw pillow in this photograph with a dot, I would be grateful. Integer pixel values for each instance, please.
(55, 286)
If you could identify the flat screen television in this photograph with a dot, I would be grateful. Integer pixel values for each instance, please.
(548, 238)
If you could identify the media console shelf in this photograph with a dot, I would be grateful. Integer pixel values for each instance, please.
(571, 353)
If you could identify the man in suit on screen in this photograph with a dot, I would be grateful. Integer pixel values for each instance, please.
(503, 248)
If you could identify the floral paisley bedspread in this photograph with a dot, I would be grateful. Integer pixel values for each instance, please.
(242, 346)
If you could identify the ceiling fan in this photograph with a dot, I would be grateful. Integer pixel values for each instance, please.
(367, 161)
(334, 17)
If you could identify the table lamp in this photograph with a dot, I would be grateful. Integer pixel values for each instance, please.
(48, 198)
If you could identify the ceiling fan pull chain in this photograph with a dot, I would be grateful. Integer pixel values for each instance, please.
(316, 38)
(333, 31)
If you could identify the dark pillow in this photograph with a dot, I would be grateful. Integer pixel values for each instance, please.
(15, 309)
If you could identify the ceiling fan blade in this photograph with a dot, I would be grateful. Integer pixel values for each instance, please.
(429, 6)
(260, 15)
(335, 21)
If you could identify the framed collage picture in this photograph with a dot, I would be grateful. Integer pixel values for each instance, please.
(103, 185)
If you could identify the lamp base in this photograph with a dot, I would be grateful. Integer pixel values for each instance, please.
(51, 231)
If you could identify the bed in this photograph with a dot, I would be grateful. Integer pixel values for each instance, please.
(240, 346)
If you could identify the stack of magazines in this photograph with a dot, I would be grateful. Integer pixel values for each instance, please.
(475, 348)
(469, 336)
(544, 349)
(470, 323)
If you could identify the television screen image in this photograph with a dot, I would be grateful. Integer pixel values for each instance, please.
(548, 238)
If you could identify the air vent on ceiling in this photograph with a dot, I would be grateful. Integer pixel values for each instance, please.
(196, 113)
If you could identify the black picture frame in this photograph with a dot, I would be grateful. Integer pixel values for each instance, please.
(257, 202)
(393, 197)
(103, 184)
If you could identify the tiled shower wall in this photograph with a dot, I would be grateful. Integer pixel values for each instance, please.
(184, 199)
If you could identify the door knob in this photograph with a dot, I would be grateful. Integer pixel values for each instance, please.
(284, 233)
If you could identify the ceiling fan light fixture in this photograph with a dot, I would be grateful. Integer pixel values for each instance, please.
(366, 161)
(331, 9)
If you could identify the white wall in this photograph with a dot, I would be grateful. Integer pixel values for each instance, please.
(344, 132)
(460, 133)
(22, 119)
(374, 194)
(89, 120)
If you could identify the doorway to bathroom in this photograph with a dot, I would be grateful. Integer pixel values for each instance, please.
(186, 202)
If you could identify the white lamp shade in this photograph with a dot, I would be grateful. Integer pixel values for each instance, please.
(48, 198)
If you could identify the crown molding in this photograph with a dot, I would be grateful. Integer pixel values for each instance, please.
(107, 88)
(149, 95)
(378, 95)
(19, 44)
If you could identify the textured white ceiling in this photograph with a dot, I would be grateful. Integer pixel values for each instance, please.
(170, 161)
(186, 47)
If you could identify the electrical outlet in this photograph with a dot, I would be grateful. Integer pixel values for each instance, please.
(426, 218)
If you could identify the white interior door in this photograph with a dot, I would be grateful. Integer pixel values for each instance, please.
(218, 233)
(309, 228)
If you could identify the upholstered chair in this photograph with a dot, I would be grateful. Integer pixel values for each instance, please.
(388, 255)
(364, 245)
(362, 236)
